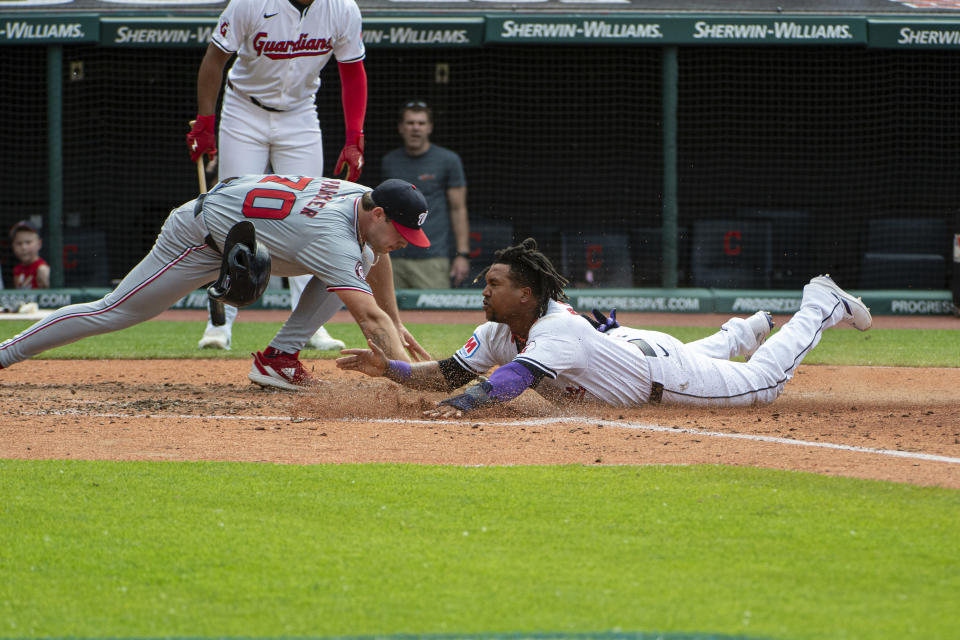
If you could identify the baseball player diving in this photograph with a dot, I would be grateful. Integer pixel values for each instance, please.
(268, 121)
(338, 232)
(537, 341)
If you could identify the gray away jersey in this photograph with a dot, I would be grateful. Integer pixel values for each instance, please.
(309, 225)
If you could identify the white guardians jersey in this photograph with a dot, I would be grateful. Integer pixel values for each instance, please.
(281, 52)
(578, 362)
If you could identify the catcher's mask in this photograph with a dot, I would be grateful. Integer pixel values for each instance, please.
(245, 270)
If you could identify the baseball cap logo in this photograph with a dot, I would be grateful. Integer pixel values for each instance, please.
(421, 219)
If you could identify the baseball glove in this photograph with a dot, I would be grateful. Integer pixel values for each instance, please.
(601, 322)
(351, 158)
(203, 137)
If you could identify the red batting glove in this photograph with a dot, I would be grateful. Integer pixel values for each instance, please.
(351, 156)
(202, 138)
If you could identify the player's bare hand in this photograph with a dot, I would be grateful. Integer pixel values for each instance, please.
(443, 411)
(372, 361)
(417, 353)
(459, 270)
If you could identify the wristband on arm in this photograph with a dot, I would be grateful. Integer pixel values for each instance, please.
(505, 384)
(398, 371)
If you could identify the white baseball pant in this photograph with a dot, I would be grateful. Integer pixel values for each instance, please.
(699, 373)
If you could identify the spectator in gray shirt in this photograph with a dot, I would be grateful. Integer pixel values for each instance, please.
(438, 173)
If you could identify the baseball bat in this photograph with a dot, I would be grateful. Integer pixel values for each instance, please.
(201, 175)
(218, 316)
(201, 172)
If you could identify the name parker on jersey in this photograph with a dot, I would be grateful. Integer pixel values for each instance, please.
(282, 49)
(328, 189)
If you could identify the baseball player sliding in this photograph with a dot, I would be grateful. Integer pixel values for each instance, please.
(268, 121)
(339, 232)
(540, 342)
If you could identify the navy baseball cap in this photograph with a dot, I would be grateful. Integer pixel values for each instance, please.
(406, 208)
(23, 225)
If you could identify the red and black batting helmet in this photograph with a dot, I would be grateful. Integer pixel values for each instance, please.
(245, 270)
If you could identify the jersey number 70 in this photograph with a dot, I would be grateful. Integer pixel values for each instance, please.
(273, 204)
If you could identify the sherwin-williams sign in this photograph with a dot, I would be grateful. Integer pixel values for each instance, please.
(156, 32)
(49, 30)
(896, 34)
(475, 31)
(384, 32)
(623, 30)
(423, 32)
(785, 31)
(653, 29)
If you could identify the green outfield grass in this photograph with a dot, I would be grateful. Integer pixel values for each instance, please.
(111, 549)
(203, 550)
(171, 339)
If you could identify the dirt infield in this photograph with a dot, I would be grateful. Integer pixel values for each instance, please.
(882, 423)
(870, 422)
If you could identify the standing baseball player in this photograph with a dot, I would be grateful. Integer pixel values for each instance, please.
(540, 342)
(339, 232)
(269, 117)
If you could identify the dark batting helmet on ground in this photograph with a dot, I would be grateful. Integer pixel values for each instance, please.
(245, 270)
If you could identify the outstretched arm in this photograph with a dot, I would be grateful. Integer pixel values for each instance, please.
(374, 322)
(505, 384)
(380, 280)
(427, 376)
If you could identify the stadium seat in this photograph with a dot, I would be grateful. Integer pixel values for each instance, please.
(731, 254)
(486, 236)
(790, 250)
(906, 253)
(908, 235)
(597, 259)
(646, 249)
(85, 260)
(903, 271)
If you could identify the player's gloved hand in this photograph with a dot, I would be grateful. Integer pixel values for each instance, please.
(203, 138)
(601, 322)
(351, 157)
